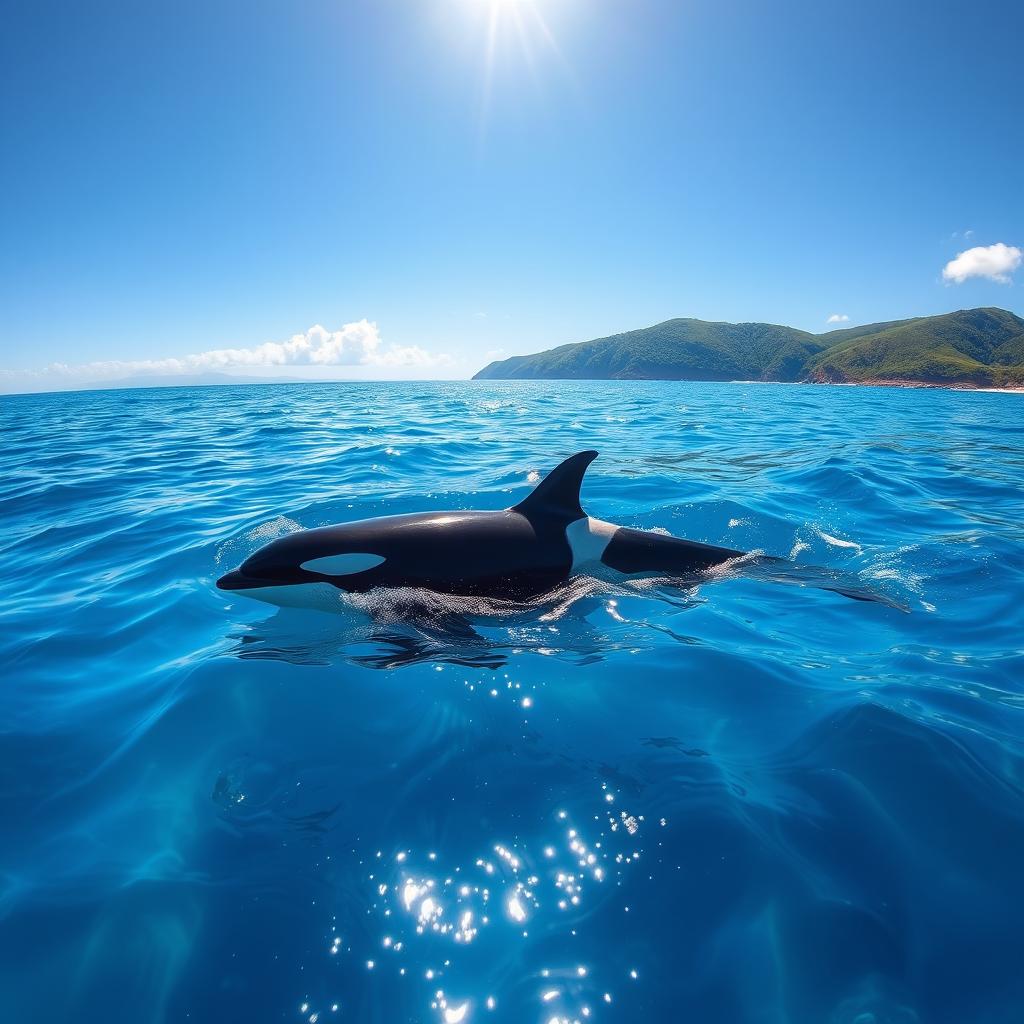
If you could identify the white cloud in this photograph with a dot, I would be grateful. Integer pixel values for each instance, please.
(354, 345)
(996, 262)
(838, 318)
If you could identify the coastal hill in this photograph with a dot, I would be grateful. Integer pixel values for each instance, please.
(972, 347)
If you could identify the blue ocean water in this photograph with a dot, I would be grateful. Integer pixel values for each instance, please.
(749, 801)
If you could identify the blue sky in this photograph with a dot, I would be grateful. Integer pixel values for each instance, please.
(477, 178)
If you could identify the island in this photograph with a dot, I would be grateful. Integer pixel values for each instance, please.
(971, 348)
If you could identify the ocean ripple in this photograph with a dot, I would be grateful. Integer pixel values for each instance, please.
(746, 799)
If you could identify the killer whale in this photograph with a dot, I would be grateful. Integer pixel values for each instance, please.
(514, 554)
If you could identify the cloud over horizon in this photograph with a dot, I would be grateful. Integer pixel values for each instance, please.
(356, 344)
(995, 262)
(838, 318)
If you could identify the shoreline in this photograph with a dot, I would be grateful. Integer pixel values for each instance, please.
(884, 383)
(879, 383)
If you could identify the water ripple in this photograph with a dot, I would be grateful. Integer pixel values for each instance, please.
(734, 801)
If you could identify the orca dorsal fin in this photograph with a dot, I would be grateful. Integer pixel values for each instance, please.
(558, 494)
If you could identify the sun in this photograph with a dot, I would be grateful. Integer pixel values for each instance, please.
(516, 31)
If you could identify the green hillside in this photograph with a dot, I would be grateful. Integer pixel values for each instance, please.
(674, 350)
(971, 347)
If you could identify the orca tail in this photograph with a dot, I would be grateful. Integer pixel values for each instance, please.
(558, 494)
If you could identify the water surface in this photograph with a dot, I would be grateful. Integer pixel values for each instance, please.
(745, 801)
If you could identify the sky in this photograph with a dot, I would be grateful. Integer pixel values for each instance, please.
(412, 188)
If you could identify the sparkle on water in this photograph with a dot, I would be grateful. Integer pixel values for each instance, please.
(747, 800)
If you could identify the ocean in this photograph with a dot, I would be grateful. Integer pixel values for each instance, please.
(748, 800)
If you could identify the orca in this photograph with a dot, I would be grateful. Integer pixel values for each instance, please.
(514, 554)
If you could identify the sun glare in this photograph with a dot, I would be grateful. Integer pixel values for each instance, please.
(515, 31)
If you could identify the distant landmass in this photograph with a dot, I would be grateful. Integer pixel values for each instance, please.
(969, 348)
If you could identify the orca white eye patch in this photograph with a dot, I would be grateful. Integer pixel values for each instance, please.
(343, 565)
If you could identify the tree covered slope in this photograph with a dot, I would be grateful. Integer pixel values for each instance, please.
(972, 346)
(976, 346)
